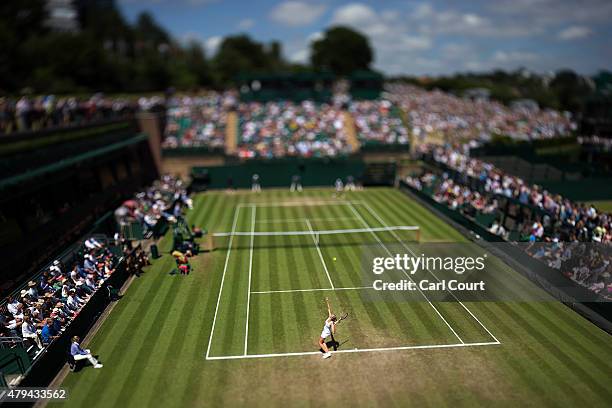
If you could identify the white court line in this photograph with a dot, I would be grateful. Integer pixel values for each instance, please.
(314, 239)
(246, 332)
(366, 350)
(310, 290)
(375, 214)
(352, 207)
(229, 250)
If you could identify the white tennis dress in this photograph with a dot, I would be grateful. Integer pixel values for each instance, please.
(327, 329)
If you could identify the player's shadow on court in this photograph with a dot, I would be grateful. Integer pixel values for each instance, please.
(333, 345)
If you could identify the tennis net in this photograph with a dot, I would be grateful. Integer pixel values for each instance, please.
(311, 237)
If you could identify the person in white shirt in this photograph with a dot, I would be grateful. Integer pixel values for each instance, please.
(90, 281)
(329, 328)
(55, 269)
(92, 243)
(28, 331)
(74, 302)
(255, 186)
(12, 306)
(339, 186)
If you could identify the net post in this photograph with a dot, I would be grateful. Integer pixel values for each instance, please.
(210, 242)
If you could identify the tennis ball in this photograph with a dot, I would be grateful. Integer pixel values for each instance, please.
(334, 259)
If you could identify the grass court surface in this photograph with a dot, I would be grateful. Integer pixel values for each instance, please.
(242, 328)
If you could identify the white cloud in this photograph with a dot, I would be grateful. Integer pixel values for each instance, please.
(448, 21)
(510, 57)
(314, 36)
(211, 44)
(574, 33)
(297, 13)
(394, 41)
(549, 12)
(297, 48)
(355, 14)
(245, 24)
(300, 56)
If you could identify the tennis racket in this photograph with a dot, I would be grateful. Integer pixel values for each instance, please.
(343, 317)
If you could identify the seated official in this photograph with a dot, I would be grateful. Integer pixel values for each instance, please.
(79, 353)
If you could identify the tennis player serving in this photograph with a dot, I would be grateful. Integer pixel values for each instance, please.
(328, 330)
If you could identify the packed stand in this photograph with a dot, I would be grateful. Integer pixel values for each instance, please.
(584, 263)
(378, 121)
(163, 201)
(40, 313)
(36, 113)
(440, 113)
(563, 221)
(278, 129)
(197, 121)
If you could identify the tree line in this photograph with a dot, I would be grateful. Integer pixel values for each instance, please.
(112, 55)
(109, 54)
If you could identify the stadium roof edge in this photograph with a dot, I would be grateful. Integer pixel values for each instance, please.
(9, 181)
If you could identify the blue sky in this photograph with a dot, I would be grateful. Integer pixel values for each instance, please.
(411, 37)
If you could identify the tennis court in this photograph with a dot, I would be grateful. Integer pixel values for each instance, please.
(158, 337)
(283, 258)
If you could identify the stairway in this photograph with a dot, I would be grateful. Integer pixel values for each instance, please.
(231, 133)
(351, 132)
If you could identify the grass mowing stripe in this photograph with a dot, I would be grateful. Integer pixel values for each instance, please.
(124, 338)
(540, 383)
(156, 325)
(562, 326)
(296, 320)
(566, 345)
(275, 322)
(231, 324)
(168, 370)
(222, 334)
(557, 354)
(117, 344)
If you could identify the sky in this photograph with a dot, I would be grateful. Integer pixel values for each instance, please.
(409, 37)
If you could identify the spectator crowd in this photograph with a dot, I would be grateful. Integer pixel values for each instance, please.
(41, 311)
(440, 113)
(563, 221)
(164, 200)
(198, 121)
(28, 113)
(378, 121)
(277, 129)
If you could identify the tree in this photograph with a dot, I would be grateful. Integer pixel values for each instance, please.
(341, 50)
(196, 61)
(571, 88)
(238, 54)
(148, 31)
